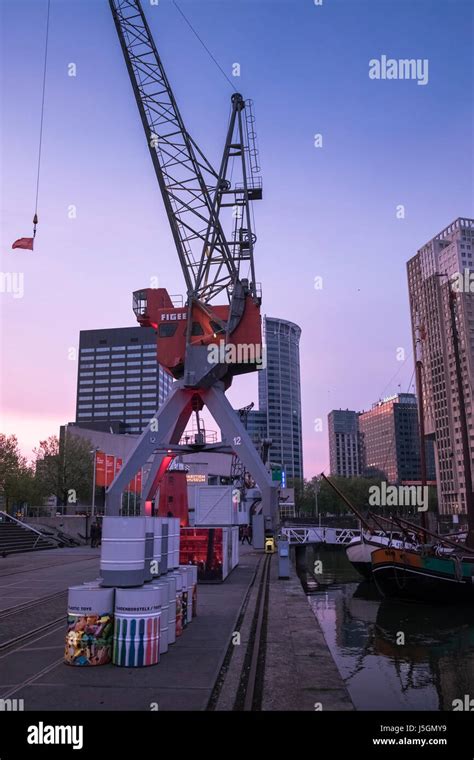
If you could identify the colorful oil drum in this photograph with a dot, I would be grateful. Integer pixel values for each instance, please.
(195, 588)
(137, 627)
(122, 561)
(180, 602)
(90, 626)
(170, 581)
(188, 570)
(165, 611)
(183, 576)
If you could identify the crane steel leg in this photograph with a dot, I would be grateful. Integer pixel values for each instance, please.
(167, 428)
(164, 428)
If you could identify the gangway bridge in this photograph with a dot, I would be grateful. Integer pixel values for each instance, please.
(318, 534)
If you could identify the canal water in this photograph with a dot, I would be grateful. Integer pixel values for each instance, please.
(392, 655)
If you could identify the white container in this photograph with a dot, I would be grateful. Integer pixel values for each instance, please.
(90, 625)
(122, 561)
(170, 581)
(165, 612)
(149, 547)
(137, 627)
(214, 506)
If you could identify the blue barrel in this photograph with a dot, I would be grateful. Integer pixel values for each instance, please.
(90, 625)
(137, 627)
(122, 561)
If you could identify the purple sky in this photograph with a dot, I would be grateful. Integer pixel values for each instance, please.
(327, 212)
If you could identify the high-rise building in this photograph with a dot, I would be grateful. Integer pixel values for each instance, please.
(120, 385)
(390, 440)
(431, 272)
(279, 394)
(344, 443)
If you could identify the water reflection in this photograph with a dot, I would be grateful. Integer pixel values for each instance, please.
(392, 655)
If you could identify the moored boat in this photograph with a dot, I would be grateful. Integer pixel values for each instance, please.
(359, 549)
(436, 575)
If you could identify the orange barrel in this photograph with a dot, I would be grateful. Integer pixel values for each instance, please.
(90, 625)
(149, 542)
(165, 612)
(122, 561)
(137, 627)
(171, 581)
(164, 565)
(181, 600)
(188, 569)
(155, 571)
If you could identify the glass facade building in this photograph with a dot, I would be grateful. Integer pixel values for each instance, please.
(120, 384)
(344, 443)
(279, 394)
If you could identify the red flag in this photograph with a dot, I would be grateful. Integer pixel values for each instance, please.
(100, 468)
(26, 243)
(109, 469)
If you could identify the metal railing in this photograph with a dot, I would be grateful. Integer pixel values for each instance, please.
(311, 534)
(5, 515)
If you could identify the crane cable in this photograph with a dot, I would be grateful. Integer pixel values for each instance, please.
(35, 218)
(204, 46)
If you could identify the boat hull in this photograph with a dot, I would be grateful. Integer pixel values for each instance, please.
(359, 552)
(407, 574)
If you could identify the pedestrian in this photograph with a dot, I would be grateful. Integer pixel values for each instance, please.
(246, 534)
(95, 535)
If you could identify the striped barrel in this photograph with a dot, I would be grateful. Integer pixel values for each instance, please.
(122, 561)
(195, 588)
(137, 627)
(164, 565)
(165, 611)
(174, 552)
(188, 569)
(157, 531)
(149, 547)
(171, 583)
(181, 578)
(90, 625)
(180, 601)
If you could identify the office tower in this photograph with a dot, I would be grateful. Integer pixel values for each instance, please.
(344, 443)
(120, 384)
(390, 440)
(431, 272)
(279, 394)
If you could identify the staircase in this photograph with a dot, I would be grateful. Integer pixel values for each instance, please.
(15, 537)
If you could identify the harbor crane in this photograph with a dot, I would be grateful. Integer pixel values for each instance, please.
(202, 344)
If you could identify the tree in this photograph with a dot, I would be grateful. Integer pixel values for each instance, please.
(64, 468)
(13, 467)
